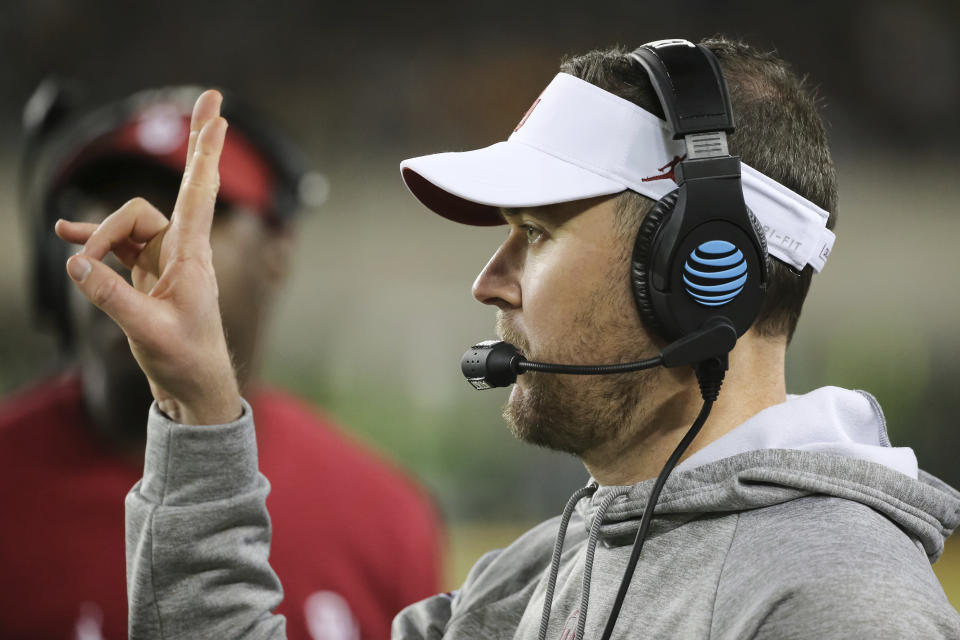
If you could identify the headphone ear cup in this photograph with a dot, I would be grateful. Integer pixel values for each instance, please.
(643, 256)
(762, 237)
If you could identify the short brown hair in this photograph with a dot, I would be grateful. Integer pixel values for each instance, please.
(779, 133)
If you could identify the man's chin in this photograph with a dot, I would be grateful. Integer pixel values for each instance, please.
(528, 423)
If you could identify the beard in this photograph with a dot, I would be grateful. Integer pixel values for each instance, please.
(576, 413)
(116, 393)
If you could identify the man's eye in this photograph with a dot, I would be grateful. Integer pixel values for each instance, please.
(533, 234)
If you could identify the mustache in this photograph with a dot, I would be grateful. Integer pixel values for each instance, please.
(508, 332)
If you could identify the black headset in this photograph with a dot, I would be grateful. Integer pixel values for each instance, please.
(699, 253)
(57, 128)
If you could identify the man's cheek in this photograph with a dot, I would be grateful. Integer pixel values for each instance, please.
(547, 316)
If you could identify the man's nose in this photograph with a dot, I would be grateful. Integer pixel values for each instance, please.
(499, 282)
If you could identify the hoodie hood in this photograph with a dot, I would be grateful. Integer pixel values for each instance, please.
(927, 509)
(828, 442)
(827, 420)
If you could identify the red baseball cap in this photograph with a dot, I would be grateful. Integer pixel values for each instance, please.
(159, 132)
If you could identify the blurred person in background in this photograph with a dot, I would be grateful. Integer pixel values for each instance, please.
(354, 539)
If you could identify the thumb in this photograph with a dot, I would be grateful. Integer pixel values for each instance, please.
(107, 289)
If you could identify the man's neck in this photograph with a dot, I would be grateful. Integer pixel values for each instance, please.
(754, 381)
(117, 407)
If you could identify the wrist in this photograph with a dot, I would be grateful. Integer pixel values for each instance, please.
(215, 406)
(228, 412)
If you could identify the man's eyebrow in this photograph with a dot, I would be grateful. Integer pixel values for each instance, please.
(540, 214)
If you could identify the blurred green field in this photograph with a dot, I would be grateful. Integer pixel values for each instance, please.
(467, 542)
(948, 570)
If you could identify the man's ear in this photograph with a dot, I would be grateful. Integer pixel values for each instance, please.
(276, 254)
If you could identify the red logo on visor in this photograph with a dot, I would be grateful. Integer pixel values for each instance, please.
(669, 174)
(527, 114)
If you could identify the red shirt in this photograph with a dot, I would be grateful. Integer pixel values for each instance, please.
(354, 540)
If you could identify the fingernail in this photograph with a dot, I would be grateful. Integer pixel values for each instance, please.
(78, 268)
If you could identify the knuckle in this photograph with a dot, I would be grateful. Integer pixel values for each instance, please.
(133, 204)
(103, 292)
(207, 188)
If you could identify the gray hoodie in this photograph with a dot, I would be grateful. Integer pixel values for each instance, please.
(801, 523)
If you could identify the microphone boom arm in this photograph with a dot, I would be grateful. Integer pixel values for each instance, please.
(588, 370)
(497, 364)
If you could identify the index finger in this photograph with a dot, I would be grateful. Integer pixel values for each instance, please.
(193, 212)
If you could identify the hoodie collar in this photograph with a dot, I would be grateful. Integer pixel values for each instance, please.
(827, 420)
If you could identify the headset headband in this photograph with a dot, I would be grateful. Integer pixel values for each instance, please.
(688, 81)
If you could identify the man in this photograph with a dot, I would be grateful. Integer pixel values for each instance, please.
(72, 446)
(788, 517)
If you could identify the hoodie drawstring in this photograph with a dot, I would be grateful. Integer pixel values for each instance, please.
(588, 490)
(588, 563)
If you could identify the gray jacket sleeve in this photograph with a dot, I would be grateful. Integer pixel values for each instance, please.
(429, 619)
(198, 536)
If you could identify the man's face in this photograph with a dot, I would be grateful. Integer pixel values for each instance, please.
(561, 283)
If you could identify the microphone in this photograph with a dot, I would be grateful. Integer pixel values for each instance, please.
(494, 363)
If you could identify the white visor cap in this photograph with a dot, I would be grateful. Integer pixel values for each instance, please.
(578, 141)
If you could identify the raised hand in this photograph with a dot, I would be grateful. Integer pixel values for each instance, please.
(171, 314)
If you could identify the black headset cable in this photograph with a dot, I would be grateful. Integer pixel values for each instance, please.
(710, 376)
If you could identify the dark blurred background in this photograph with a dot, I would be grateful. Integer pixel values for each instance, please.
(379, 308)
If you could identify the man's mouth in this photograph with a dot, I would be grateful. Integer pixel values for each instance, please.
(520, 350)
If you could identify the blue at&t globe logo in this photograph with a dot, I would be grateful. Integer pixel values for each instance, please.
(714, 273)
